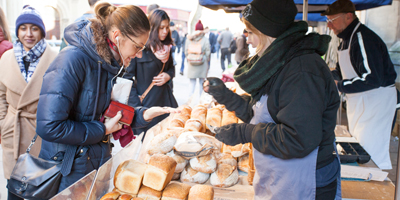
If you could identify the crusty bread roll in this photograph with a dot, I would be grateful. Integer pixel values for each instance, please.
(111, 195)
(148, 193)
(225, 158)
(128, 176)
(201, 192)
(180, 117)
(176, 191)
(193, 176)
(185, 110)
(162, 143)
(206, 164)
(176, 176)
(200, 112)
(214, 117)
(244, 164)
(240, 150)
(125, 197)
(176, 123)
(228, 117)
(181, 162)
(225, 176)
(194, 125)
(159, 172)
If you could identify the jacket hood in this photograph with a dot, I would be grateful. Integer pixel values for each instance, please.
(81, 35)
(196, 36)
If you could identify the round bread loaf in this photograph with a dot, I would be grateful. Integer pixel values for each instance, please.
(176, 191)
(225, 176)
(181, 162)
(206, 164)
(193, 176)
(226, 158)
(244, 164)
(162, 143)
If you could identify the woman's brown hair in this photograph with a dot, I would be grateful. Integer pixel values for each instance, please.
(156, 17)
(4, 26)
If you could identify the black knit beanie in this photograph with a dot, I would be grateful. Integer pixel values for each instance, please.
(271, 17)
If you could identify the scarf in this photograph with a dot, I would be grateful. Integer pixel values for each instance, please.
(32, 56)
(253, 74)
(163, 53)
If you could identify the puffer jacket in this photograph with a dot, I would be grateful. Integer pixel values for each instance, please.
(76, 87)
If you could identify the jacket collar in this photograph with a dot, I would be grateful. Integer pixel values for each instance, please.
(346, 33)
(147, 56)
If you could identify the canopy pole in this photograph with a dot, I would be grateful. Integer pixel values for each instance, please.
(305, 10)
(397, 190)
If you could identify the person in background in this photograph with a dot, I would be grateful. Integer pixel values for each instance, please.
(225, 39)
(213, 40)
(199, 72)
(242, 51)
(87, 15)
(365, 73)
(175, 38)
(77, 89)
(154, 67)
(217, 45)
(183, 54)
(290, 116)
(5, 37)
(151, 7)
(22, 70)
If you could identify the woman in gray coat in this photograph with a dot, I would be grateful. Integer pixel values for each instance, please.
(195, 72)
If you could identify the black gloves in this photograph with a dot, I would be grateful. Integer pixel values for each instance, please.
(234, 134)
(217, 89)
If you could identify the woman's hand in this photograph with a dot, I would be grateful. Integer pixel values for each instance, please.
(156, 111)
(161, 79)
(112, 124)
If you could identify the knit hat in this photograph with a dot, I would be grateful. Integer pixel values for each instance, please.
(171, 23)
(271, 17)
(199, 26)
(339, 6)
(30, 15)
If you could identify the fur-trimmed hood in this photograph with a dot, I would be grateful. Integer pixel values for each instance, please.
(196, 36)
(87, 36)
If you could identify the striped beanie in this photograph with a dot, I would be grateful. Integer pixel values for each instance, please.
(30, 15)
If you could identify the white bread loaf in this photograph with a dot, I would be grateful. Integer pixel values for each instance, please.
(181, 162)
(225, 176)
(176, 191)
(193, 176)
(201, 192)
(159, 172)
(206, 164)
(148, 193)
(128, 176)
(244, 164)
(162, 143)
(111, 195)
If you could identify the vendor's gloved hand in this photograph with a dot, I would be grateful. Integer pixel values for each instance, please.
(215, 87)
(234, 134)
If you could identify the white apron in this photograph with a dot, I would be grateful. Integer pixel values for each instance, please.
(276, 178)
(370, 114)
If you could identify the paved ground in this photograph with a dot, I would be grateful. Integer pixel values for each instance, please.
(181, 88)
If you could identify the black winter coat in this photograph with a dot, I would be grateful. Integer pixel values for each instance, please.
(143, 70)
(68, 101)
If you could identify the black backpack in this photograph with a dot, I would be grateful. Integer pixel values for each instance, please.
(232, 46)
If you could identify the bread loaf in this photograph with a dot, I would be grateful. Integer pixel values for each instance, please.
(199, 113)
(176, 176)
(111, 195)
(228, 117)
(240, 150)
(180, 117)
(225, 176)
(159, 172)
(225, 158)
(137, 198)
(181, 162)
(185, 110)
(162, 143)
(176, 123)
(125, 197)
(194, 125)
(214, 117)
(244, 164)
(176, 191)
(206, 164)
(128, 176)
(201, 192)
(193, 176)
(149, 194)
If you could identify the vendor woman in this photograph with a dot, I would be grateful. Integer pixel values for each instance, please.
(291, 114)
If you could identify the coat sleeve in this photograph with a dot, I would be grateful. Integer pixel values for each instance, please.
(61, 85)
(131, 72)
(3, 103)
(336, 73)
(299, 128)
(169, 67)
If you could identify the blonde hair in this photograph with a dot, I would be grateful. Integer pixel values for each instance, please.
(4, 25)
(264, 39)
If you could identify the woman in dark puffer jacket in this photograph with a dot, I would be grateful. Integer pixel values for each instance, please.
(77, 89)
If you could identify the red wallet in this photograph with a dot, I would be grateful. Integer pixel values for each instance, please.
(127, 112)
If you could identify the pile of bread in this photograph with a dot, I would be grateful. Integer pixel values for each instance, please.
(134, 180)
(220, 165)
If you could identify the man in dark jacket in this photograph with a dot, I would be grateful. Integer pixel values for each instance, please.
(366, 75)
